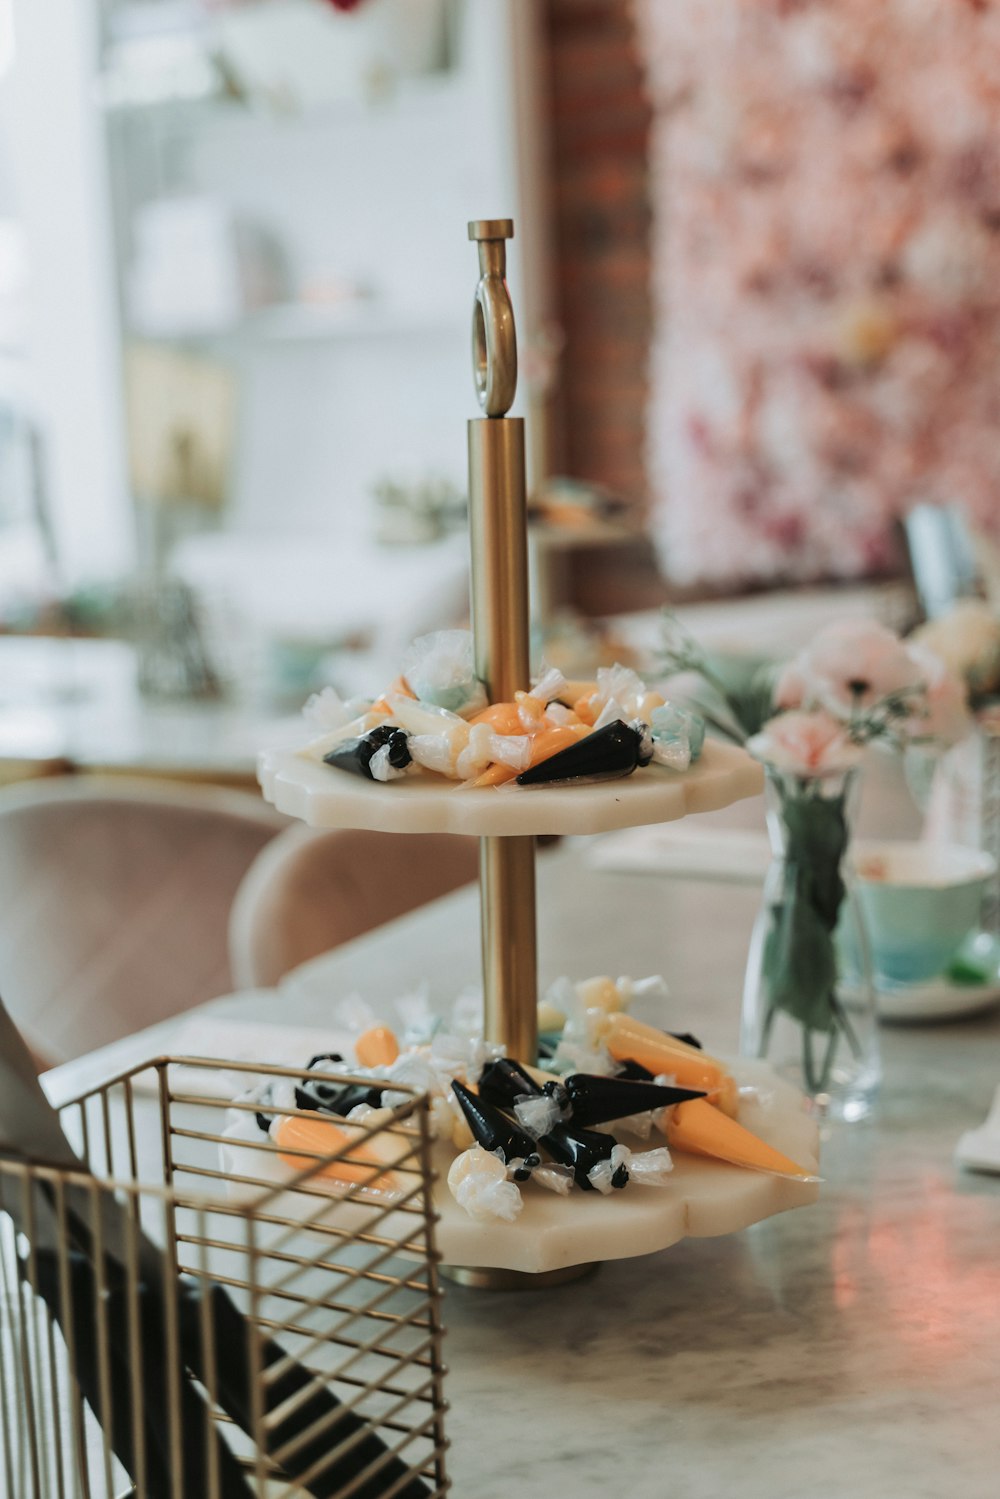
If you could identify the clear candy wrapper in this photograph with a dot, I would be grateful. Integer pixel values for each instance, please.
(439, 669)
(648, 1168)
(478, 1182)
(549, 685)
(554, 1178)
(327, 710)
(540, 1114)
(678, 736)
(355, 728)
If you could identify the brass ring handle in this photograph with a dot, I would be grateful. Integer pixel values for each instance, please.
(494, 341)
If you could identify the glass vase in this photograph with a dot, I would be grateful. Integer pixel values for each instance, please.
(808, 1000)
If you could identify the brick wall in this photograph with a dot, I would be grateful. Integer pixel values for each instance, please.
(599, 132)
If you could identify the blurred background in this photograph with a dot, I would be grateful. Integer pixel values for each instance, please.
(757, 277)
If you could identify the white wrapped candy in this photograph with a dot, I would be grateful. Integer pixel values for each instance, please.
(537, 1115)
(678, 736)
(549, 685)
(439, 669)
(327, 710)
(355, 728)
(648, 1168)
(556, 1178)
(485, 745)
(478, 1182)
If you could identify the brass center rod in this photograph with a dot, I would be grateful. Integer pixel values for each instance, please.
(500, 625)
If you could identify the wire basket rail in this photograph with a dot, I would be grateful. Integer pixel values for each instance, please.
(211, 1316)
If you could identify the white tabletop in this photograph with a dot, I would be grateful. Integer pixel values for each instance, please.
(77, 701)
(852, 1347)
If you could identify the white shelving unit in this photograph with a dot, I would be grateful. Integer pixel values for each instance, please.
(336, 185)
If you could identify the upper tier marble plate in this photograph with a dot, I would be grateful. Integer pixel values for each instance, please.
(329, 798)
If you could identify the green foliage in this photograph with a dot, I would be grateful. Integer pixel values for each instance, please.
(800, 958)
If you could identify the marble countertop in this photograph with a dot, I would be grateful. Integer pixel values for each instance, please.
(847, 1348)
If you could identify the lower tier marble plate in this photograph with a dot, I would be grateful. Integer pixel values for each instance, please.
(329, 798)
(703, 1198)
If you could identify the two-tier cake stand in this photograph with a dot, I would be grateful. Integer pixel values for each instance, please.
(554, 1237)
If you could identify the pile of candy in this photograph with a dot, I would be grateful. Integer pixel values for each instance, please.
(435, 718)
(513, 1123)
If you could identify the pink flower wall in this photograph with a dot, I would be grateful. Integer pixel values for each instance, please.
(826, 190)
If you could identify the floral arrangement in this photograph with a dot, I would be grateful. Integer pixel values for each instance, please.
(808, 722)
(826, 247)
(966, 641)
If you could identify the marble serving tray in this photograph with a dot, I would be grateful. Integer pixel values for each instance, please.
(329, 798)
(702, 1199)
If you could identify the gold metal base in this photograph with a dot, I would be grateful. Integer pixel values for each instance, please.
(493, 1278)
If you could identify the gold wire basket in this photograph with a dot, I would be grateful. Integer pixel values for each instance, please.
(304, 1355)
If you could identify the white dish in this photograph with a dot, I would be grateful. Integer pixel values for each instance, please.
(328, 798)
(937, 999)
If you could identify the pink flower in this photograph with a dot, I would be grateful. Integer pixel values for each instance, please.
(852, 665)
(805, 744)
(790, 688)
(943, 715)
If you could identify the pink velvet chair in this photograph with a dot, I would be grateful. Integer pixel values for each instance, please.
(115, 897)
(309, 891)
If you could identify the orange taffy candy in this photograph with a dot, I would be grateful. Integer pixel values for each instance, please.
(315, 1138)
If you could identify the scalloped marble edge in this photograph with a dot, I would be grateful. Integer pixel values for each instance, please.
(327, 798)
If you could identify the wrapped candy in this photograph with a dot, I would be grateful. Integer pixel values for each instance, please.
(478, 1182)
(678, 736)
(647, 1168)
(382, 754)
(582, 1150)
(377, 1047)
(618, 692)
(355, 728)
(588, 1100)
(327, 710)
(335, 1096)
(497, 1133)
(607, 753)
(504, 1081)
(543, 745)
(439, 668)
(364, 1167)
(703, 1130)
(628, 1039)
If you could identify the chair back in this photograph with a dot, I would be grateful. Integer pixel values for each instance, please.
(115, 896)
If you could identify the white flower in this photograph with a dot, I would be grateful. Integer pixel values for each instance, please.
(850, 665)
(967, 641)
(805, 744)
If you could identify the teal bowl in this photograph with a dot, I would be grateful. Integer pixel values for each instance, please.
(919, 902)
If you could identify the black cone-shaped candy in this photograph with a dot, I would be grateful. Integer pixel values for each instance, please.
(355, 755)
(332, 1095)
(635, 1072)
(582, 1149)
(493, 1130)
(599, 1100)
(605, 754)
(505, 1081)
